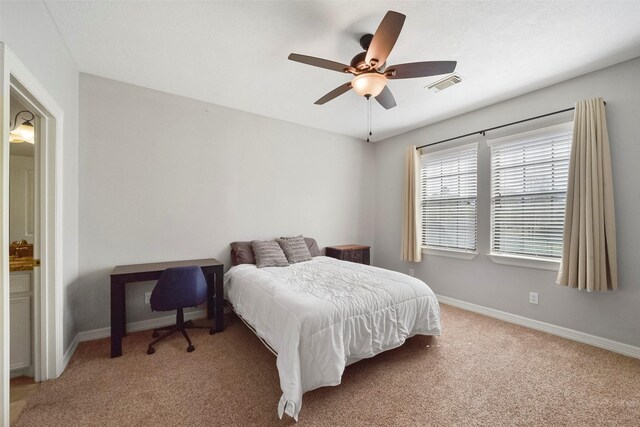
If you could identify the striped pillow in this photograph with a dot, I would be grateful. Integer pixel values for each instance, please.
(268, 253)
(295, 248)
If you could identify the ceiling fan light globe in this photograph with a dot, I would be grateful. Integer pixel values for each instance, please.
(369, 84)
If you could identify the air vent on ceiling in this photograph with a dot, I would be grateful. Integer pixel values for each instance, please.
(442, 84)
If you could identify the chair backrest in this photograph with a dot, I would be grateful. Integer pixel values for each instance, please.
(179, 287)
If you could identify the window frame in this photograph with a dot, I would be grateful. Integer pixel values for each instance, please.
(459, 253)
(531, 261)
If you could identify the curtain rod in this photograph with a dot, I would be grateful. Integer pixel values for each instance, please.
(497, 127)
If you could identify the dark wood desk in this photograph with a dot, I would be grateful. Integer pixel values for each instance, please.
(121, 275)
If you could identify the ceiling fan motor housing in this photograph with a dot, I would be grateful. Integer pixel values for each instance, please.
(358, 62)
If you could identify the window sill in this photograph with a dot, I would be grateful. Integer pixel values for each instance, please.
(451, 253)
(522, 261)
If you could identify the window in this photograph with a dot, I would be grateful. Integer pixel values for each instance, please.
(528, 191)
(448, 181)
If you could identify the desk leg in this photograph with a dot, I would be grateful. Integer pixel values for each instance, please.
(124, 311)
(209, 274)
(117, 317)
(219, 301)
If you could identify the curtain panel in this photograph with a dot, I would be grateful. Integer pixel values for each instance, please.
(589, 240)
(411, 222)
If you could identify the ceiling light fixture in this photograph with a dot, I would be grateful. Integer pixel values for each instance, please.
(23, 132)
(370, 84)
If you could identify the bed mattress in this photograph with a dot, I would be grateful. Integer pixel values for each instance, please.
(321, 315)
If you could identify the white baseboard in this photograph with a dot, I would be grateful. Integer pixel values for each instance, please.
(143, 325)
(615, 346)
(24, 372)
(67, 354)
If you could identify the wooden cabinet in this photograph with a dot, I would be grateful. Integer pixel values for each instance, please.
(353, 253)
(20, 320)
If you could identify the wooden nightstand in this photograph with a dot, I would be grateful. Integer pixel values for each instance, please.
(353, 253)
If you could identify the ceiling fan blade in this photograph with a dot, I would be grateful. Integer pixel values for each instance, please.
(334, 94)
(386, 99)
(385, 37)
(319, 62)
(420, 69)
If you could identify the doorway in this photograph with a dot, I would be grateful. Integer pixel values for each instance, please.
(24, 259)
(45, 295)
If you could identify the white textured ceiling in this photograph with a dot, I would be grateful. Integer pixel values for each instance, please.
(235, 53)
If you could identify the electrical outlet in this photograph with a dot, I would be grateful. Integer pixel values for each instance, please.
(147, 297)
(411, 272)
(533, 298)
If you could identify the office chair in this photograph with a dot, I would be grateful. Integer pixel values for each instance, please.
(177, 288)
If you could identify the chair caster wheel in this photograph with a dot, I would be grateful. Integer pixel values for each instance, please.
(151, 350)
(155, 334)
(190, 348)
(212, 331)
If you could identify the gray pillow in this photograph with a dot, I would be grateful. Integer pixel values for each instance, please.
(242, 253)
(295, 249)
(268, 253)
(314, 250)
(313, 246)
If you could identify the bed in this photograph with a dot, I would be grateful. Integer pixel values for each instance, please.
(321, 315)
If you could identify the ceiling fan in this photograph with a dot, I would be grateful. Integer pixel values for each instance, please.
(369, 67)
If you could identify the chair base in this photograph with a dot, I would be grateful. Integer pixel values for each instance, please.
(180, 325)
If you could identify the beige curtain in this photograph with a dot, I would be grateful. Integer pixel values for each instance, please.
(589, 246)
(411, 221)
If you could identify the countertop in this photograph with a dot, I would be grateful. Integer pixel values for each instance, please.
(20, 264)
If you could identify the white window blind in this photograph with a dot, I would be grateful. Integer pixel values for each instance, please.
(528, 192)
(449, 195)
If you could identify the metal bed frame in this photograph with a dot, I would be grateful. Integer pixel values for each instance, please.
(252, 329)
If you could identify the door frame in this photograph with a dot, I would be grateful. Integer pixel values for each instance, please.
(48, 308)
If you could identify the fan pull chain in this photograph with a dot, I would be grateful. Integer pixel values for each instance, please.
(370, 119)
(369, 133)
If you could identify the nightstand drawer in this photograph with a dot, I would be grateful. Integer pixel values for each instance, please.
(354, 256)
(352, 253)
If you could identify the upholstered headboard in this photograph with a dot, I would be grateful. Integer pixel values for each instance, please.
(242, 253)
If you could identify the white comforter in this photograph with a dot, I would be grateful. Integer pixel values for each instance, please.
(324, 314)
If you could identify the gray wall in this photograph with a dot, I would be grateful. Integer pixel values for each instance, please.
(612, 315)
(30, 33)
(164, 177)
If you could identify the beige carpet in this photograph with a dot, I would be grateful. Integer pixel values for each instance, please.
(481, 371)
